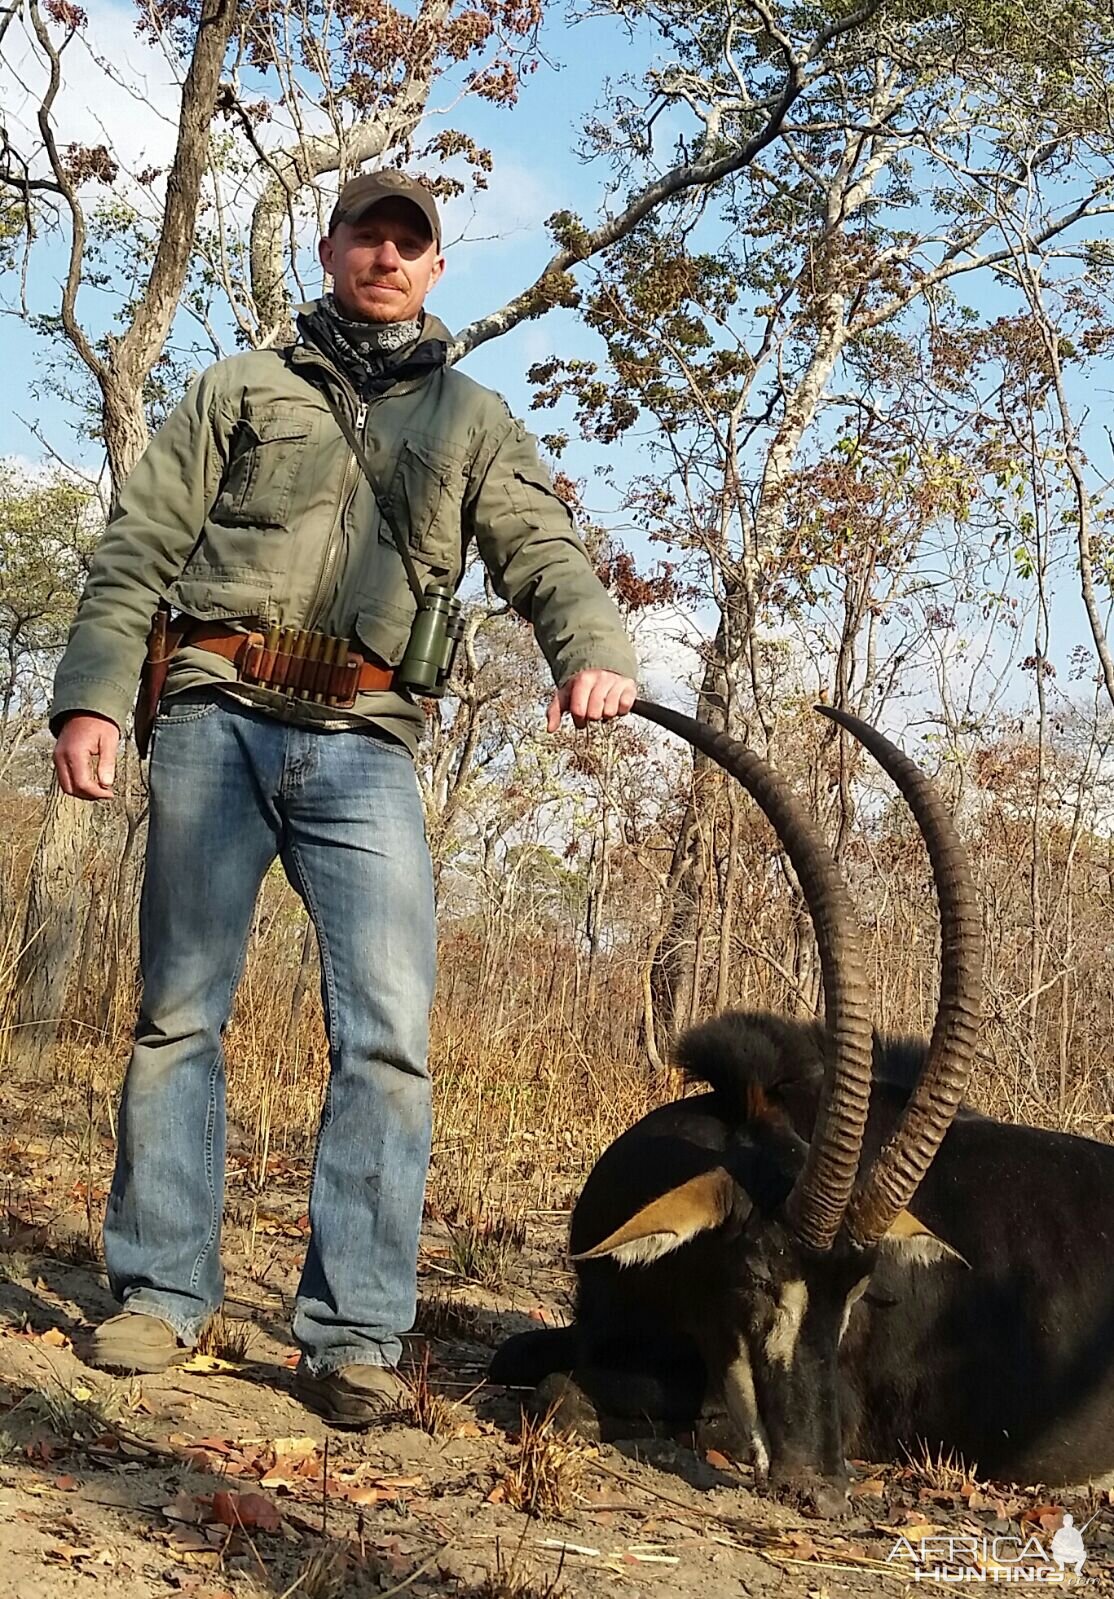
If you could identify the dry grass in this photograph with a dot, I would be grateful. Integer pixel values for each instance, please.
(482, 1249)
(512, 1582)
(943, 1473)
(547, 1471)
(324, 1576)
(444, 1318)
(426, 1409)
(73, 1415)
(226, 1339)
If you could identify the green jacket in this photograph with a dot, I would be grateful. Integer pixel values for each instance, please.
(248, 507)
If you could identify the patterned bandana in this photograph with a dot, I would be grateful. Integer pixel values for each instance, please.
(364, 351)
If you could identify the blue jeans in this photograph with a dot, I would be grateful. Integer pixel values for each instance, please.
(232, 789)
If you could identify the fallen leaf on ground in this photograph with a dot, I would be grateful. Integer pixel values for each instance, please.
(55, 1337)
(245, 1510)
(799, 1546)
(208, 1365)
(718, 1461)
(185, 1507)
(873, 1488)
(295, 1448)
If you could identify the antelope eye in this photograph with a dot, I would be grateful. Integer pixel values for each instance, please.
(758, 1271)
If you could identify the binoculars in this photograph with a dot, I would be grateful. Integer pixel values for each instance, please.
(428, 662)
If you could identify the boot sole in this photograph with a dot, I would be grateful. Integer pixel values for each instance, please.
(127, 1367)
(341, 1409)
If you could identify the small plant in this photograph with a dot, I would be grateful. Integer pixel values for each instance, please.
(442, 1317)
(324, 1576)
(482, 1248)
(226, 1339)
(422, 1407)
(512, 1582)
(15, 1267)
(72, 1415)
(78, 1249)
(943, 1473)
(546, 1474)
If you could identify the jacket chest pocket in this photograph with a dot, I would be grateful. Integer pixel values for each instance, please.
(258, 484)
(425, 495)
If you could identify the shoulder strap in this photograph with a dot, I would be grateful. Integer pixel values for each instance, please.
(360, 453)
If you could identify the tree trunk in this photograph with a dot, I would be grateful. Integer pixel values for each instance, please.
(50, 928)
(56, 868)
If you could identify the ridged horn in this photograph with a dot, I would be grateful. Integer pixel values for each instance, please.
(887, 1188)
(818, 1202)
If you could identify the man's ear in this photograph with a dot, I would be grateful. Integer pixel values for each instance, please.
(437, 271)
(325, 253)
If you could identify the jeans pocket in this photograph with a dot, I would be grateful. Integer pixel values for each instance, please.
(191, 705)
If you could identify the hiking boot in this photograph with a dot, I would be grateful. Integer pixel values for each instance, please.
(134, 1341)
(352, 1396)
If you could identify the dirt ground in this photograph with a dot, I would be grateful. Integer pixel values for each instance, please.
(213, 1481)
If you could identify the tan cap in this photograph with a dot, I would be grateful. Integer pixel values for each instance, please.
(360, 194)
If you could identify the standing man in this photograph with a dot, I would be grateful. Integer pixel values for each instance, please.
(251, 513)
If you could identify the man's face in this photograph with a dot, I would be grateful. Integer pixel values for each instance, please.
(384, 264)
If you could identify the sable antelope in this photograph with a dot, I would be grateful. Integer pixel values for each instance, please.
(723, 1245)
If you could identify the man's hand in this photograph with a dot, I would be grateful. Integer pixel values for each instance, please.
(85, 756)
(591, 697)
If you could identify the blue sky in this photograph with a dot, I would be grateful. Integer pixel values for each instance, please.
(503, 248)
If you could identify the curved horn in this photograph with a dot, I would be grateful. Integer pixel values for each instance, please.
(820, 1195)
(892, 1181)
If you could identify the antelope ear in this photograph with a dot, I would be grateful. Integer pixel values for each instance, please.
(911, 1241)
(668, 1221)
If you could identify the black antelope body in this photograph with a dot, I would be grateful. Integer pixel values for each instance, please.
(760, 1246)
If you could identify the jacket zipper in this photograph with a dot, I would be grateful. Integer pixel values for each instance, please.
(348, 487)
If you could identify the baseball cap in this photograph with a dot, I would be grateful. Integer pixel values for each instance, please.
(359, 195)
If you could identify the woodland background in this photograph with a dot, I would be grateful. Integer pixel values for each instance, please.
(817, 337)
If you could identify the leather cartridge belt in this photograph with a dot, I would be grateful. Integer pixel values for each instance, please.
(303, 665)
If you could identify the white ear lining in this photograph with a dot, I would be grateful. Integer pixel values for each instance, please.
(922, 1249)
(641, 1251)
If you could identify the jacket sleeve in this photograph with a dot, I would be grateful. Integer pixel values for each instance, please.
(157, 521)
(525, 535)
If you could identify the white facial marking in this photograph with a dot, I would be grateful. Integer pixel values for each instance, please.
(852, 1300)
(742, 1407)
(781, 1340)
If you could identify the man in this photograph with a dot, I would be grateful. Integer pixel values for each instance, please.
(251, 514)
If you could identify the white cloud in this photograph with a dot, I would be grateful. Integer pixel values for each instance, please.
(668, 643)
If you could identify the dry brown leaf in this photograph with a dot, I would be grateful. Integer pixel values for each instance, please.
(799, 1546)
(65, 1484)
(245, 1510)
(295, 1448)
(55, 1337)
(873, 1488)
(190, 1543)
(497, 1495)
(207, 1365)
(65, 1553)
(185, 1507)
(714, 1458)
(367, 1494)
